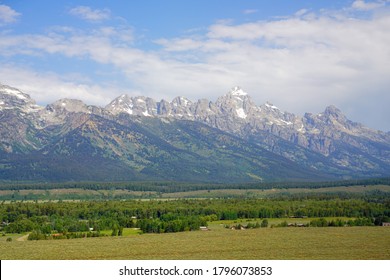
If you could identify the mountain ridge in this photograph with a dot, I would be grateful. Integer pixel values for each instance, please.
(326, 145)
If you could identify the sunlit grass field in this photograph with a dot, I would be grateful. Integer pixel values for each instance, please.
(309, 243)
(288, 243)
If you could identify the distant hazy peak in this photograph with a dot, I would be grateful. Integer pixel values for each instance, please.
(237, 91)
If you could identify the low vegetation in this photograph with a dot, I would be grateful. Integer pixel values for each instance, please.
(349, 243)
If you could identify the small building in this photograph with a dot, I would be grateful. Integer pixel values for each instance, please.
(386, 224)
(204, 228)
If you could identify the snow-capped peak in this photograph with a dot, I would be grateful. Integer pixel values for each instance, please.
(71, 105)
(181, 101)
(123, 103)
(121, 99)
(271, 106)
(138, 105)
(13, 92)
(13, 98)
(237, 91)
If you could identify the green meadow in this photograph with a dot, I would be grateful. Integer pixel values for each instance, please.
(347, 223)
(309, 243)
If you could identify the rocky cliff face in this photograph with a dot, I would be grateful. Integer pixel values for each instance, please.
(17, 121)
(327, 133)
(326, 142)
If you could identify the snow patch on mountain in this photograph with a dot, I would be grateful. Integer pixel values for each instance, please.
(271, 106)
(241, 113)
(237, 91)
(4, 89)
(11, 98)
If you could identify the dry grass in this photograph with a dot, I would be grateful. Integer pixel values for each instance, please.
(218, 243)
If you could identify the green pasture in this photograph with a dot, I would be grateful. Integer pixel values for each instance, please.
(350, 243)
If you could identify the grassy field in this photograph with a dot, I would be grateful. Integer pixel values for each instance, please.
(350, 243)
(289, 243)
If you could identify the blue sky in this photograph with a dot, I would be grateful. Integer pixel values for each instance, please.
(299, 55)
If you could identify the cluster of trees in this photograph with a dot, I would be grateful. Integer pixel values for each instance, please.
(341, 223)
(174, 215)
(171, 224)
(104, 213)
(322, 222)
(250, 225)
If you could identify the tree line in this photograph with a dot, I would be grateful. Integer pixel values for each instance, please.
(171, 187)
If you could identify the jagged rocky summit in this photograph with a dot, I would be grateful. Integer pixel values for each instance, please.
(138, 138)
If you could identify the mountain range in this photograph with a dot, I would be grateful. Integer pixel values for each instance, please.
(138, 138)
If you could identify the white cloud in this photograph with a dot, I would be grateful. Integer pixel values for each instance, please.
(7, 15)
(302, 63)
(47, 87)
(367, 6)
(88, 14)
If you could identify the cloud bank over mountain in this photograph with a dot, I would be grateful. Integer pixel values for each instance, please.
(301, 61)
